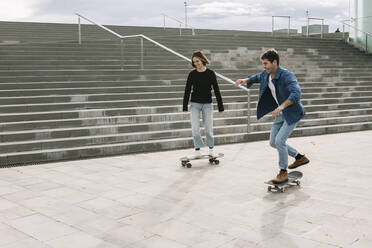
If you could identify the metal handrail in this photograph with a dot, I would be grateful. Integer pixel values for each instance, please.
(165, 48)
(344, 22)
(363, 17)
(99, 25)
(359, 30)
(321, 28)
(289, 23)
(179, 22)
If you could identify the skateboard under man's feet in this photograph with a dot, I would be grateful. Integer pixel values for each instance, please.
(293, 179)
(185, 161)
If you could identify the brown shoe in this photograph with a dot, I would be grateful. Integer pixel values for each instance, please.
(299, 162)
(281, 177)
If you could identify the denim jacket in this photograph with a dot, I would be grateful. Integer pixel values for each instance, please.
(286, 87)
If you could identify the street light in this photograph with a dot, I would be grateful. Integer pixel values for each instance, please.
(185, 14)
(307, 23)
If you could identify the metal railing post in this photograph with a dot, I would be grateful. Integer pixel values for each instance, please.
(79, 27)
(249, 111)
(343, 30)
(180, 24)
(307, 28)
(164, 21)
(273, 24)
(142, 67)
(321, 30)
(122, 53)
(366, 43)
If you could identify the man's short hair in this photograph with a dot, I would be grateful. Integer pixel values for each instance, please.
(271, 55)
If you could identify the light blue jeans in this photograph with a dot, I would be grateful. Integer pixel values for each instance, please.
(207, 114)
(279, 134)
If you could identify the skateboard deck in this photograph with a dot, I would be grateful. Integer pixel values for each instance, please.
(185, 161)
(293, 179)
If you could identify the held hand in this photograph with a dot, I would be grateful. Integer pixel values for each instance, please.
(277, 111)
(240, 82)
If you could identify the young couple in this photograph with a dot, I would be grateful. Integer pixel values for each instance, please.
(279, 93)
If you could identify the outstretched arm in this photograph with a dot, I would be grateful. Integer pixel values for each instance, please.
(249, 81)
(241, 81)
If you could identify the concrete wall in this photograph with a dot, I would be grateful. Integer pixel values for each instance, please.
(285, 30)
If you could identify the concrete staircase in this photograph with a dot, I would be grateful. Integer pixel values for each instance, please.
(60, 100)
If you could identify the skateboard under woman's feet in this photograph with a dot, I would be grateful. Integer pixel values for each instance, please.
(185, 161)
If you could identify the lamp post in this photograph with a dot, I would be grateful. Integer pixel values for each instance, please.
(307, 23)
(185, 14)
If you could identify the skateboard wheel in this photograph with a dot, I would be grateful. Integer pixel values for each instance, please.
(216, 161)
(188, 165)
(211, 161)
(298, 183)
(269, 188)
(282, 190)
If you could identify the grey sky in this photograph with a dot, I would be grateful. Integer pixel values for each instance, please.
(216, 14)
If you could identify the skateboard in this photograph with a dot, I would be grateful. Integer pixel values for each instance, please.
(293, 179)
(212, 160)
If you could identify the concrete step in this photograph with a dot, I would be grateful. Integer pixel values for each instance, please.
(76, 137)
(166, 144)
(217, 65)
(161, 75)
(154, 54)
(169, 110)
(325, 66)
(300, 72)
(40, 107)
(235, 115)
(209, 49)
(91, 87)
(107, 97)
(165, 64)
(135, 48)
(11, 90)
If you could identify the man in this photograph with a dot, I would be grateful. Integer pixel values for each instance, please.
(280, 94)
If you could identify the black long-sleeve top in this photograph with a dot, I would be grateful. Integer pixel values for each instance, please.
(201, 83)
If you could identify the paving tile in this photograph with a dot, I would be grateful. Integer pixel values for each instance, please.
(41, 227)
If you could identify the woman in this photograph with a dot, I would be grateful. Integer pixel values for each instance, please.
(201, 81)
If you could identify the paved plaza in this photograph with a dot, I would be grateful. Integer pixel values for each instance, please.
(150, 200)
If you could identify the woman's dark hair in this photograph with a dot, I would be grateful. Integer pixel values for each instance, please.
(271, 55)
(200, 55)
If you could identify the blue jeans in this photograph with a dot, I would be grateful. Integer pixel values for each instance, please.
(279, 134)
(207, 114)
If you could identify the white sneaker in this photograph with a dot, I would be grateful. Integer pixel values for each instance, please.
(195, 154)
(212, 153)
